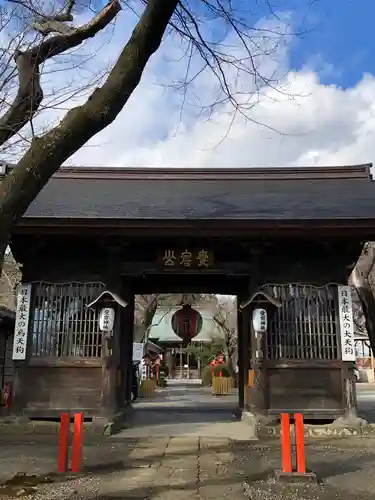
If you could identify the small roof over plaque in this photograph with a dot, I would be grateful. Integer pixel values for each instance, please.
(262, 297)
(109, 296)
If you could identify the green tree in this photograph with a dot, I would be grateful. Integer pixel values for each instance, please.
(206, 352)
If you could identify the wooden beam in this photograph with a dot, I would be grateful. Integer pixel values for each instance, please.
(72, 362)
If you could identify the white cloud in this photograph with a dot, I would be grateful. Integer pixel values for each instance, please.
(318, 124)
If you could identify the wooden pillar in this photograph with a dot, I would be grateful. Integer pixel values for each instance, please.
(109, 381)
(258, 392)
(128, 345)
(241, 369)
(111, 347)
(349, 391)
(243, 354)
(121, 372)
(19, 387)
(122, 366)
(246, 350)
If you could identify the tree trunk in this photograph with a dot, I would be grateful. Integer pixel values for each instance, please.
(30, 93)
(47, 153)
(150, 310)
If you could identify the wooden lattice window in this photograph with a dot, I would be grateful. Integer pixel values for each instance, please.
(305, 326)
(61, 324)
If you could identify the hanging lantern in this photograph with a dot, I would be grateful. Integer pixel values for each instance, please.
(260, 320)
(106, 320)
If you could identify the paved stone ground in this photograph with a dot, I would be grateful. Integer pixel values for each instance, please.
(164, 468)
(174, 464)
(188, 397)
(366, 401)
(187, 411)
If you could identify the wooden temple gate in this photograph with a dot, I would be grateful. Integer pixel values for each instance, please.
(290, 267)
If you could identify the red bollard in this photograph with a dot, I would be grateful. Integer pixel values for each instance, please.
(287, 474)
(220, 374)
(286, 448)
(62, 461)
(300, 443)
(77, 442)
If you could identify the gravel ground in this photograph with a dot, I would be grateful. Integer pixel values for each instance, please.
(185, 467)
(190, 468)
(153, 468)
(344, 469)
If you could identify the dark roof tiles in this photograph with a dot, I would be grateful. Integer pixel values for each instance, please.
(254, 194)
(194, 199)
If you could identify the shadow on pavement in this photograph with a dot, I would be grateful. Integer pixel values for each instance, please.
(147, 417)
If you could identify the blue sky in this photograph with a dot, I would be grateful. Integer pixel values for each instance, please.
(337, 36)
(326, 115)
(343, 39)
(321, 110)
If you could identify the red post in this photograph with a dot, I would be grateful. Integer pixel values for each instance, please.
(62, 461)
(300, 443)
(286, 448)
(157, 373)
(77, 442)
(220, 374)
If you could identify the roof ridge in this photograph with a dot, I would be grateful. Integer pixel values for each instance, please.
(362, 171)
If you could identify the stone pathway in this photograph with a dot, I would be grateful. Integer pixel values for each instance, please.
(186, 468)
(191, 452)
(178, 445)
(188, 397)
(186, 425)
(189, 427)
(169, 469)
(187, 411)
(149, 468)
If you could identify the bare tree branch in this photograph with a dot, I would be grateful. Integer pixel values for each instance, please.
(235, 66)
(48, 152)
(226, 318)
(30, 93)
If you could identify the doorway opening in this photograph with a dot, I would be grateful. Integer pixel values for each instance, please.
(188, 341)
(184, 334)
